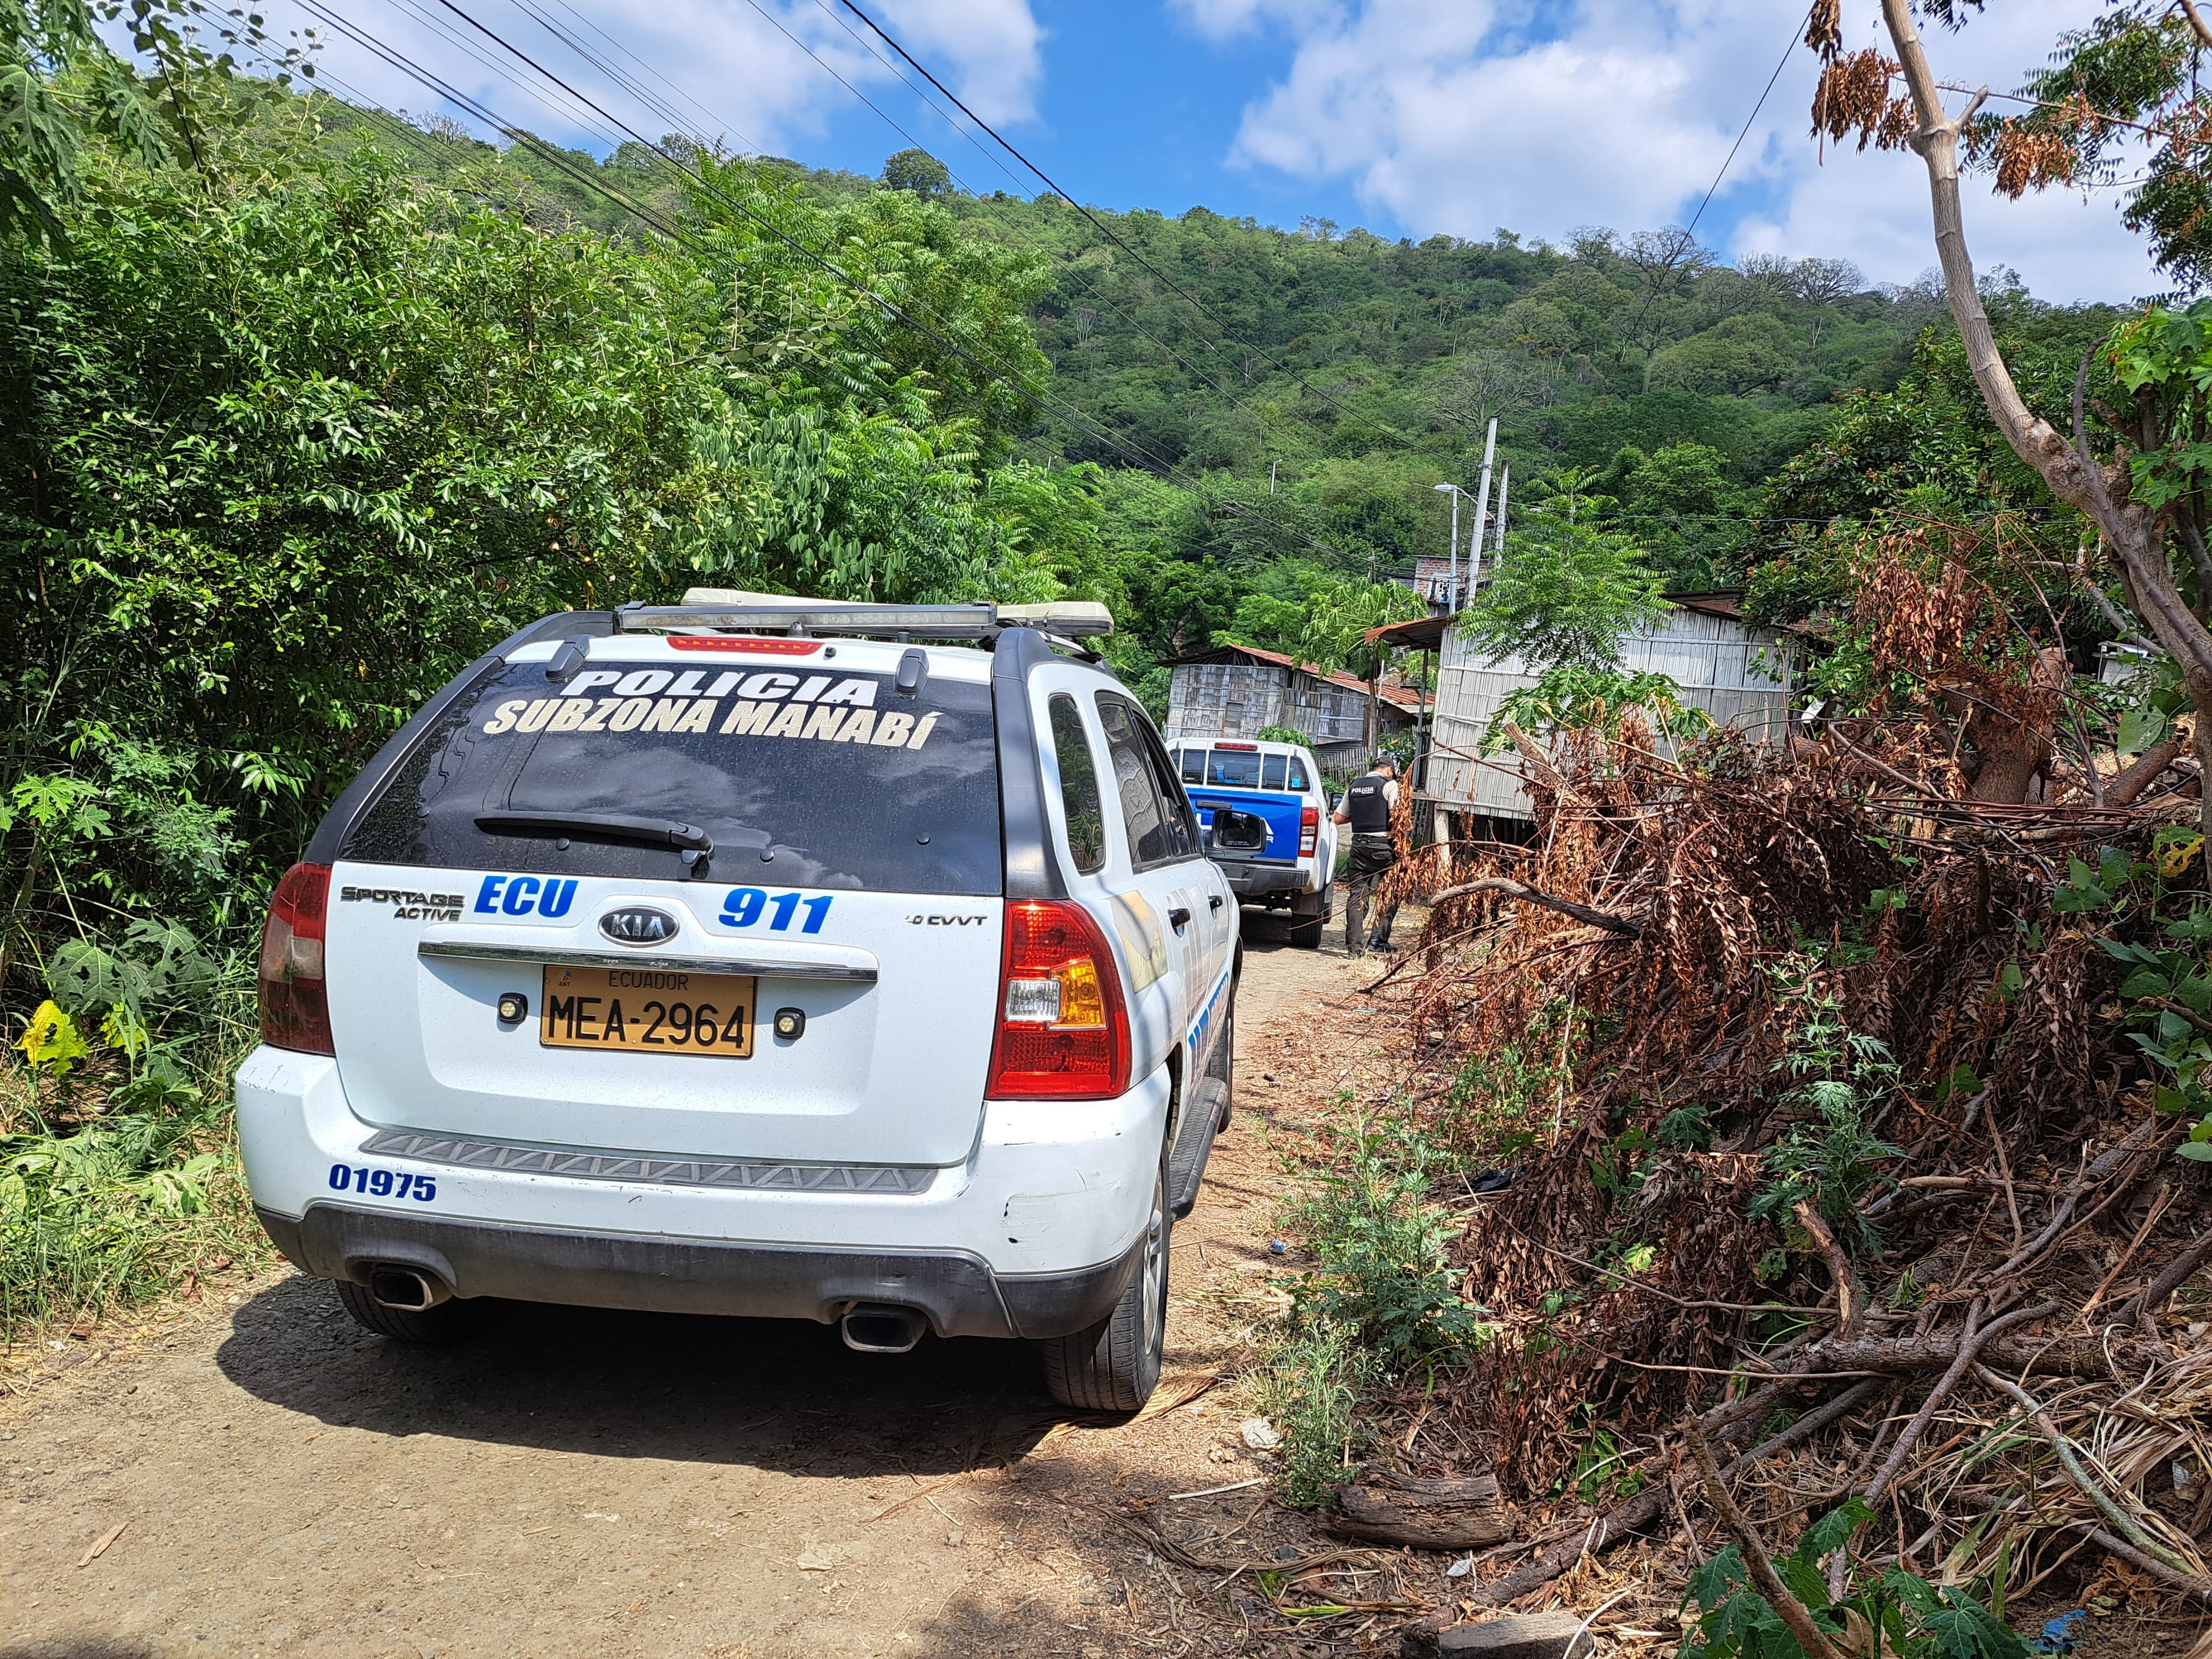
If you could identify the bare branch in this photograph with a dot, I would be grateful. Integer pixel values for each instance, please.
(1528, 895)
(1810, 1636)
(2196, 21)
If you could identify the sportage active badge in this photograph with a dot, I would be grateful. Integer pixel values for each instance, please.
(638, 924)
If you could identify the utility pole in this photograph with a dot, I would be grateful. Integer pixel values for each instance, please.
(1272, 465)
(1451, 601)
(1505, 483)
(1481, 508)
(1455, 541)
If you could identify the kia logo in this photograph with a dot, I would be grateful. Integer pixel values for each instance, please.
(638, 925)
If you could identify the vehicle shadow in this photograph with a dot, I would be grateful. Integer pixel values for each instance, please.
(1265, 930)
(779, 1394)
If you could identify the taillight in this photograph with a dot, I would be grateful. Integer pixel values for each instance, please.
(1063, 1032)
(295, 1013)
(1308, 830)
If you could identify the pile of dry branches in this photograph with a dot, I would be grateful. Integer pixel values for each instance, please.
(1941, 1281)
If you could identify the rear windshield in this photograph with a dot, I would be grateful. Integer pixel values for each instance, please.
(1238, 768)
(1233, 768)
(806, 777)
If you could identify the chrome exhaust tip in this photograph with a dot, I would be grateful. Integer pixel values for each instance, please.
(409, 1289)
(877, 1327)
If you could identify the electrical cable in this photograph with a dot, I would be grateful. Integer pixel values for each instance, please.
(830, 70)
(707, 114)
(1105, 230)
(395, 59)
(928, 102)
(643, 95)
(1042, 401)
(1793, 35)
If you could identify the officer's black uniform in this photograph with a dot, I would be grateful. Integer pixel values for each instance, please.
(1367, 810)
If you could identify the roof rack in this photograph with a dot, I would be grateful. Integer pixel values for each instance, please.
(729, 610)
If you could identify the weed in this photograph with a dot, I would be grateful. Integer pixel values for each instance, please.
(1897, 1614)
(1844, 1079)
(129, 1174)
(1381, 1301)
(1499, 1089)
(1597, 1458)
(1385, 1271)
(1311, 1388)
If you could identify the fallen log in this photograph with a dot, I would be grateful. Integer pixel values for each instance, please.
(1903, 1355)
(2122, 788)
(1448, 1514)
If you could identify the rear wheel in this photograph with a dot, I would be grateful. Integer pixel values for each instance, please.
(1115, 1365)
(449, 1322)
(1306, 924)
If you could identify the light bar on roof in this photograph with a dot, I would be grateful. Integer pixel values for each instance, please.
(704, 608)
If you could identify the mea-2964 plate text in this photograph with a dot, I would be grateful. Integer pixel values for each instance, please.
(648, 1011)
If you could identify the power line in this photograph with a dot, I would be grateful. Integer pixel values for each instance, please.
(1753, 115)
(1105, 230)
(1087, 286)
(1042, 401)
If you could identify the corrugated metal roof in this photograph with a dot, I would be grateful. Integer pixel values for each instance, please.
(1405, 697)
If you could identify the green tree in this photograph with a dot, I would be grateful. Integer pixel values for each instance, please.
(62, 87)
(918, 172)
(1564, 593)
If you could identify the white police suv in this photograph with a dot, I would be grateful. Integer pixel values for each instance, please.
(855, 963)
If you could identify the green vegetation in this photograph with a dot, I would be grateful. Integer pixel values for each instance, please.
(302, 407)
(1899, 1611)
(282, 450)
(1379, 1304)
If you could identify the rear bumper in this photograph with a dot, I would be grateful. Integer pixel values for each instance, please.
(1253, 880)
(1038, 1226)
(958, 1292)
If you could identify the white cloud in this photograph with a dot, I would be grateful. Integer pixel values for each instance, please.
(1544, 116)
(718, 67)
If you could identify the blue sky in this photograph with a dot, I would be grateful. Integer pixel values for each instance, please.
(1409, 116)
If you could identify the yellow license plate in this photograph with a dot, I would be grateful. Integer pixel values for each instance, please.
(648, 1011)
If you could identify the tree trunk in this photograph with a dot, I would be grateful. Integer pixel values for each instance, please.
(2139, 776)
(2073, 474)
(2015, 747)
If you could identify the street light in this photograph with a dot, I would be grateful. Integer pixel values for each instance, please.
(1456, 492)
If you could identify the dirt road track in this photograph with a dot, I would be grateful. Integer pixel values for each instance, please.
(583, 1483)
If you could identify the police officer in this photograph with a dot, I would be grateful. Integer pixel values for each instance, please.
(1366, 808)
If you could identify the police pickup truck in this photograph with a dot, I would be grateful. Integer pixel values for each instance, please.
(1273, 832)
(862, 965)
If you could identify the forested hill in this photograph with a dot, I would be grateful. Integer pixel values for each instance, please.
(1366, 370)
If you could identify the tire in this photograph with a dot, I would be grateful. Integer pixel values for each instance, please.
(1306, 930)
(1115, 1365)
(449, 1322)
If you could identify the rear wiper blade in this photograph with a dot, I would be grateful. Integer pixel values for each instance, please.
(603, 826)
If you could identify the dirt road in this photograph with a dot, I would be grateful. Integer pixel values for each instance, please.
(587, 1483)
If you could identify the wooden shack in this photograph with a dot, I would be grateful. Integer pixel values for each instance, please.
(1235, 690)
(1738, 674)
